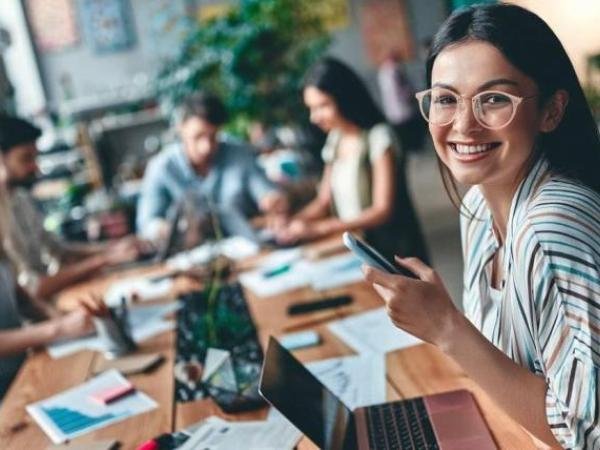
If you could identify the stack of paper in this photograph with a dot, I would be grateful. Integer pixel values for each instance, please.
(218, 434)
(145, 321)
(74, 412)
(372, 332)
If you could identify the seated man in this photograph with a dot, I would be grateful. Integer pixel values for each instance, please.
(44, 262)
(202, 165)
(46, 326)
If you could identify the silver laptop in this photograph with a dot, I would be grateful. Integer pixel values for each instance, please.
(447, 421)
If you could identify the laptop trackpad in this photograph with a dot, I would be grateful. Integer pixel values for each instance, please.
(457, 422)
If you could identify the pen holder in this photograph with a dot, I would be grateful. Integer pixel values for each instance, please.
(115, 333)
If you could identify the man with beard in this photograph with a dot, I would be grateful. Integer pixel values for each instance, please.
(45, 263)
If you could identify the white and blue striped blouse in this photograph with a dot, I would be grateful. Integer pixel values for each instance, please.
(547, 316)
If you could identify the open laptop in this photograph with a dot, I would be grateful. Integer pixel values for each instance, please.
(447, 421)
(163, 249)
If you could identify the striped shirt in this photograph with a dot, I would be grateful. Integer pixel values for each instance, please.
(547, 315)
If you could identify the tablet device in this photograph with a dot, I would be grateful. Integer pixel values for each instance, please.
(372, 257)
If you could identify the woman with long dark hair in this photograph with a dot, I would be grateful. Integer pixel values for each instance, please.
(508, 117)
(364, 183)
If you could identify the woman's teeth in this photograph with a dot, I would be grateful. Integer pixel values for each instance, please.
(472, 149)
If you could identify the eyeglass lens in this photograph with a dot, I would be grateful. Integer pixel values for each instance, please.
(491, 109)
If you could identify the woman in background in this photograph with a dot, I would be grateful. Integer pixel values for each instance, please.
(364, 182)
(508, 117)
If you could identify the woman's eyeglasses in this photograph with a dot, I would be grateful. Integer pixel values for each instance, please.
(491, 109)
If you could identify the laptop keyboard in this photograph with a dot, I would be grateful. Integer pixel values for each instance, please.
(401, 425)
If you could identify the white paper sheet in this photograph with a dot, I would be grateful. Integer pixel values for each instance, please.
(324, 274)
(218, 434)
(142, 288)
(372, 331)
(73, 413)
(335, 271)
(357, 380)
(146, 321)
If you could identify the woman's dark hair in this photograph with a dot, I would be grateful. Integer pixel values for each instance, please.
(350, 94)
(205, 106)
(528, 43)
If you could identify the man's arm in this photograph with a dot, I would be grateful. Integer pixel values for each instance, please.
(48, 285)
(154, 199)
(74, 324)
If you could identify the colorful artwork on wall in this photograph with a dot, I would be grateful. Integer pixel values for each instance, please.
(53, 24)
(108, 25)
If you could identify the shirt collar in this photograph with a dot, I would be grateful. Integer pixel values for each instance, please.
(521, 198)
(184, 163)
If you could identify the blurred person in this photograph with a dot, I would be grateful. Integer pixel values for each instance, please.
(399, 104)
(204, 165)
(16, 336)
(363, 186)
(509, 118)
(45, 263)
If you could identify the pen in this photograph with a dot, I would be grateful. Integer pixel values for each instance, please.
(311, 323)
(277, 270)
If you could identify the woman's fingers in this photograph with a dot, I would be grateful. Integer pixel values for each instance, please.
(374, 276)
(416, 266)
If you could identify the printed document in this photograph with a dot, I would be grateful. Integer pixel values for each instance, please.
(372, 332)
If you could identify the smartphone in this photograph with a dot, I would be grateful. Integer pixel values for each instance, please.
(317, 305)
(302, 339)
(372, 257)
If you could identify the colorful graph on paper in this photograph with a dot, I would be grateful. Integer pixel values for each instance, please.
(73, 412)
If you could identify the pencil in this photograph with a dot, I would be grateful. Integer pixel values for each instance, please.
(310, 323)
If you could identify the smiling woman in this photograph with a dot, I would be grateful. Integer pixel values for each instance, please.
(508, 117)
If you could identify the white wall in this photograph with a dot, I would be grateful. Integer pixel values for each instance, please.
(20, 61)
(94, 74)
(575, 22)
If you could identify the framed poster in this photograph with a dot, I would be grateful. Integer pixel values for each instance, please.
(385, 29)
(108, 25)
(53, 24)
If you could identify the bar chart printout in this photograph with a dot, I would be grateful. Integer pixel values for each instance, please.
(74, 412)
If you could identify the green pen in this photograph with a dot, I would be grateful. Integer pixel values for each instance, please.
(277, 270)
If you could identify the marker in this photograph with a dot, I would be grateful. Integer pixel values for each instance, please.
(277, 270)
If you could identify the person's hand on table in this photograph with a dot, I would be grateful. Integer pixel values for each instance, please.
(421, 306)
(79, 322)
(293, 232)
(274, 203)
(276, 222)
(122, 251)
(300, 230)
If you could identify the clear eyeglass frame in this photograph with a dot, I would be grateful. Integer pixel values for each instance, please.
(475, 105)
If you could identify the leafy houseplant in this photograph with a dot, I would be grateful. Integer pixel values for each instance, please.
(254, 57)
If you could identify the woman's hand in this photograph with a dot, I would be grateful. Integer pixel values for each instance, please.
(421, 306)
(293, 232)
(79, 321)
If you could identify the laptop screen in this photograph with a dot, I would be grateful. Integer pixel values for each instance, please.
(303, 400)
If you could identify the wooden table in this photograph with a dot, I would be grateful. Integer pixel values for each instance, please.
(411, 372)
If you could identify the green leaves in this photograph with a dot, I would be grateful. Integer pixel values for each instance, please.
(254, 57)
